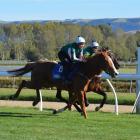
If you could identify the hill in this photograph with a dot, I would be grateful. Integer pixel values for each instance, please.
(126, 24)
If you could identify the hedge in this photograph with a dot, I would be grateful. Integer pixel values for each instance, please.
(120, 85)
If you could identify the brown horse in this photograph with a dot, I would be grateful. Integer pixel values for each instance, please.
(94, 85)
(41, 76)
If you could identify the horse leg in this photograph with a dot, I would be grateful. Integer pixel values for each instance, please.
(59, 96)
(72, 99)
(23, 83)
(82, 102)
(37, 99)
(86, 101)
(60, 110)
(77, 107)
(103, 100)
(27, 84)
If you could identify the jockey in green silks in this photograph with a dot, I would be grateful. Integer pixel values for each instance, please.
(70, 55)
(72, 52)
(90, 50)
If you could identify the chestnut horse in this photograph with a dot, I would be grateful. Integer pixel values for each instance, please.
(94, 85)
(41, 76)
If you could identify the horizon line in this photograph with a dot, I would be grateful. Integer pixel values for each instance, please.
(1, 20)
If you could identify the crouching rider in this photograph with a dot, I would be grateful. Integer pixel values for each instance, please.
(70, 55)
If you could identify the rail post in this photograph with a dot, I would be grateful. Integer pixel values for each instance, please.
(41, 104)
(138, 81)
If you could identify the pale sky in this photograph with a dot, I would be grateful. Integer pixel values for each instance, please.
(11, 10)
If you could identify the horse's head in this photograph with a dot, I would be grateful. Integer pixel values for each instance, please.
(106, 63)
(112, 56)
(114, 59)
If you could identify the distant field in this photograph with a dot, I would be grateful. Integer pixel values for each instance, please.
(30, 124)
(12, 62)
(127, 70)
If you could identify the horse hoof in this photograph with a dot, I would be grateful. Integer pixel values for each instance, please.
(54, 112)
(97, 108)
(35, 103)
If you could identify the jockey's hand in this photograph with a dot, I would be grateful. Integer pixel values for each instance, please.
(84, 59)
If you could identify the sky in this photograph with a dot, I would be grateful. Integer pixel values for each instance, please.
(19, 10)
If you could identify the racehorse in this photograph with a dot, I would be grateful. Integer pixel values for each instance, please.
(41, 76)
(94, 85)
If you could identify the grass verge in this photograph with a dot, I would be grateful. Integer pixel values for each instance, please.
(30, 124)
(49, 95)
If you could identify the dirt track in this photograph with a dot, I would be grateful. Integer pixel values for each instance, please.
(58, 105)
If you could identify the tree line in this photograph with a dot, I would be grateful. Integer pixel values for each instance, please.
(35, 41)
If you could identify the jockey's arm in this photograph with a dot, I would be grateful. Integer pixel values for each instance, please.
(86, 55)
(74, 58)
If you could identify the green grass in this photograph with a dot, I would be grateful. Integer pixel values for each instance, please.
(30, 124)
(127, 70)
(49, 95)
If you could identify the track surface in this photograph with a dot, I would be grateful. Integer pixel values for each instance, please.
(58, 105)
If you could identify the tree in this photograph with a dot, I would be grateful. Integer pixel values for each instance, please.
(50, 45)
(32, 54)
(106, 30)
(71, 32)
(34, 41)
(131, 46)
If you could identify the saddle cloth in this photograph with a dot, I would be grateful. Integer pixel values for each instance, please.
(57, 71)
(63, 71)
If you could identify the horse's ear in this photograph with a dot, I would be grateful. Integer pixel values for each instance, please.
(103, 49)
(109, 51)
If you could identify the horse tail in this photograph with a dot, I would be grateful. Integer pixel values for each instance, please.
(21, 71)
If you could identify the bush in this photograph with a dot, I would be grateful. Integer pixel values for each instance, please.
(9, 82)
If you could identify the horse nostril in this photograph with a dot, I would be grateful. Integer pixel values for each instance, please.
(116, 73)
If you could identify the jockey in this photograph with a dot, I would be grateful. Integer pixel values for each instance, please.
(70, 55)
(72, 52)
(90, 50)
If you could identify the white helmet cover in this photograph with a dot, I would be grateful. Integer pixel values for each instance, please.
(80, 39)
(94, 44)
